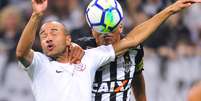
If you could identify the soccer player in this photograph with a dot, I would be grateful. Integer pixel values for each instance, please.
(114, 80)
(125, 72)
(53, 78)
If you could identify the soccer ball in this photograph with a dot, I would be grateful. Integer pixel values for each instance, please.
(104, 16)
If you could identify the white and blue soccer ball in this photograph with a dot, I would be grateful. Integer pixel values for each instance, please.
(104, 16)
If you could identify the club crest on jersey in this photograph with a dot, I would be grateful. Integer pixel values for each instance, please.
(80, 67)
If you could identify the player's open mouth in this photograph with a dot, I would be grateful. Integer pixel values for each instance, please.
(50, 47)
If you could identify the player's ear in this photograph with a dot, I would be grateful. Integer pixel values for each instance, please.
(120, 27)
(93, 33)
(68, 39)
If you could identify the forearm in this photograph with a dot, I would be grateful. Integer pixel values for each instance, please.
(143, 31)
(28, 36)
(138, 87)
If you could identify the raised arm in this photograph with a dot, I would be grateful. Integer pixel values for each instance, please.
(24, 53)
(144, 30)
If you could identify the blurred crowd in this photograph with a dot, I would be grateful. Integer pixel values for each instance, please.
(172, 59)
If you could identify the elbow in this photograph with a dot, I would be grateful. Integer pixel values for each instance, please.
(20, 52)
(19, 55)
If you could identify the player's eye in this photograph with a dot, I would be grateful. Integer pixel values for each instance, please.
(54, 31)
(43, 35)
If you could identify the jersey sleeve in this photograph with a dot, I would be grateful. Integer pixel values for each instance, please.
(35, 66)
(100, 56)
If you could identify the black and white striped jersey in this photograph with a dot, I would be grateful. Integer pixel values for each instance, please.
(112, 81)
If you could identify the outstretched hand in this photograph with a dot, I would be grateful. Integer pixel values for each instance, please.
(39, 6)
(181, 4)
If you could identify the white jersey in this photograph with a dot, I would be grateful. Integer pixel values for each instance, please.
(54, 81)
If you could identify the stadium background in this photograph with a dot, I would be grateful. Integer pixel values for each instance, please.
(172, 59)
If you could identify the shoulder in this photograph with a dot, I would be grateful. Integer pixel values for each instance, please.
(38, 60)
(102, 48)
(100, 53)
(42, 57)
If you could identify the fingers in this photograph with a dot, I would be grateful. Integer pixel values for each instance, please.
(184, 3)
(73, 61)
(78, 57)
(78, 60)
(73, 52)
(81, 55)
(76, 54)
(73, 55)
(187, 5)
(70, 53)
(192, 1)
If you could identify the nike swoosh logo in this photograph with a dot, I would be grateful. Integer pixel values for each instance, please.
(57, 71)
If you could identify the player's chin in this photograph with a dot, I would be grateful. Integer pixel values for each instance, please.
(50, 54)
(107, 42)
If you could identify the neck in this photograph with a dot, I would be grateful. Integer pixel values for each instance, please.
(64, 57)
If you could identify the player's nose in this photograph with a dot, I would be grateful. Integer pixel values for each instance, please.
(49, 39)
